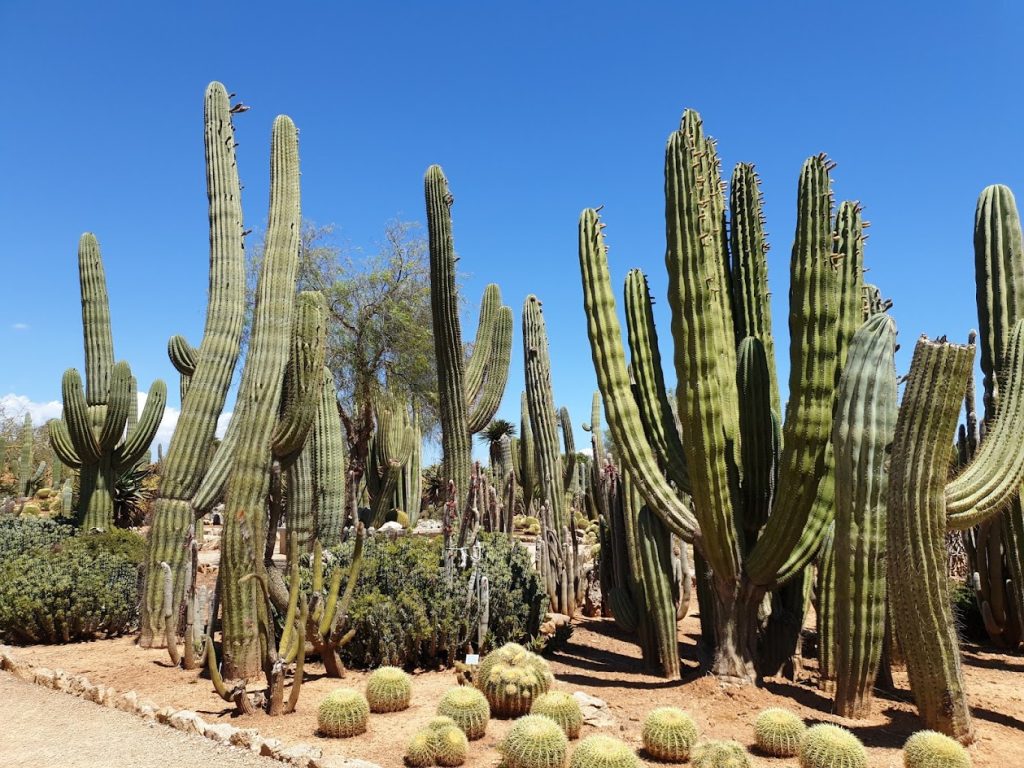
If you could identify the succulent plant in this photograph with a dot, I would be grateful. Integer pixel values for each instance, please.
(720, 754)
(440, 722)
(511, 690)
(669, 734)
(452, 746)
(777, 732)
(468, 708)
(534, 741)
(388, 689)
(343, 713)
(931, 749)
(601, 751)
(830, 746)
(515, 655)
(562, 708)
(422, 749)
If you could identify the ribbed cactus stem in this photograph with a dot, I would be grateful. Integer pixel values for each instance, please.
(862, 435)
(328, 465)
(188, 455)
(256, 410)
(25, 464)
(99, 341)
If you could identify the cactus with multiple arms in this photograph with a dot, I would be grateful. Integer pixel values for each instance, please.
(711, 305)
(91, 436)
(470, 392)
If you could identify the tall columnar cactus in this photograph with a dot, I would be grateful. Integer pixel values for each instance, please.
(27, 469)
(328, 466)
(207, 376)
(862, 434)
(470, 391)
(524, 456)
(91, 435)
(924, 503)
(723, 392)
(557, 530)
(390, 451)
(999, 276)
(408, 495)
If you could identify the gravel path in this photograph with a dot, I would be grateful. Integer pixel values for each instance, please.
(40, 728)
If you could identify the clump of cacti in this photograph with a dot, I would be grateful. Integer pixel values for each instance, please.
(388, 689)
(561, 707)
(534, 741)
(511, 678)
(931, 749)
(343, 713)
(777, 732)
(830, 746)
(669, 734)
(720, 754)
(601, 751)
(452, 746)
(422, 749)
(468, 708)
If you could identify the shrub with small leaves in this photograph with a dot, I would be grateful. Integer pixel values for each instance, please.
(534, 741)
(669, 734)
(468, 708)
(562, 708)
(777, 732)
(602, 751)
(930, 749)
(829, 746)
(388, 689)
(343, 713)
(422, 749)
(20, 536)
(452, 746)
(720, 754)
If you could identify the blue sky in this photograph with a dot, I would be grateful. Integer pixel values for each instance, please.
(535, 111)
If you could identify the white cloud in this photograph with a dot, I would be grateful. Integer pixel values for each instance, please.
(20, 326)
(18, 405)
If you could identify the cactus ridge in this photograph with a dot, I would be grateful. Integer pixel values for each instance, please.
(669, 734)
(777, 732)
(388, 689)
(534, 741)
(469, 709)
(343, 713)
(929, 749)
(422, 749)
(829, 746)
(720, 754)
(562, 708)
(601, 751)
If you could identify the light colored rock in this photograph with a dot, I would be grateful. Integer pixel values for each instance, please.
(100, 694)
(44, 677)
(336, 761)
(221, 733)
(595, 710)
(127, 701)
(301, 755)
(62, 681)
(163, 714)
(271, 748)
(187, 721)
(248, 738)
(7, 658)
(147, 709)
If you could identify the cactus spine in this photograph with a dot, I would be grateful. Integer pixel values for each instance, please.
(469, 392)
(207, 375)
(91, 435)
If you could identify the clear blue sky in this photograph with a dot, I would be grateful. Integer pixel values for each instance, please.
(535, 110)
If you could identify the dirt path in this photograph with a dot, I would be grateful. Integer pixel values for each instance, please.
(44, 729)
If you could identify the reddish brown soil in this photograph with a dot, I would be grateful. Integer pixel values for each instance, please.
(598, 660)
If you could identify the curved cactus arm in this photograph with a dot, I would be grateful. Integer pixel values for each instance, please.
(119, 399)
(994, 476)
(303, 376)
(184, 357)
(483, 343)
(63, 446)
(99, 342)
(921, 608)
(748, 247)
(620, 406)
(486, 405)
(862, 434)
(139, 438)
(650, 392)
(803, 504)
(705, 349)
(77, 419)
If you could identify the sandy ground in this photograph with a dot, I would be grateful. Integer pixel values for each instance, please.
(44, 729)
(598, 660)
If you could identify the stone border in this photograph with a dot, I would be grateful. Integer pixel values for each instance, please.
(300, 755)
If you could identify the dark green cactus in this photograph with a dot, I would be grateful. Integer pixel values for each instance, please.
(210, 370)
(726, 410)
(469, 392)
(91, 436)
(390, 450)
(862, 434)
(923, 504)
(328, 448)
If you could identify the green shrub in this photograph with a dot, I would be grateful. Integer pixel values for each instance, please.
(20, 535)
(405, 613)
(77, 588)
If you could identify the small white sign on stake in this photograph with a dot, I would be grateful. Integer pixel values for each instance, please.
(472, 658)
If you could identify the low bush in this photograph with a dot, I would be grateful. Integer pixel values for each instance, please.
(72, 588)
(20, 535)
(407, 613)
